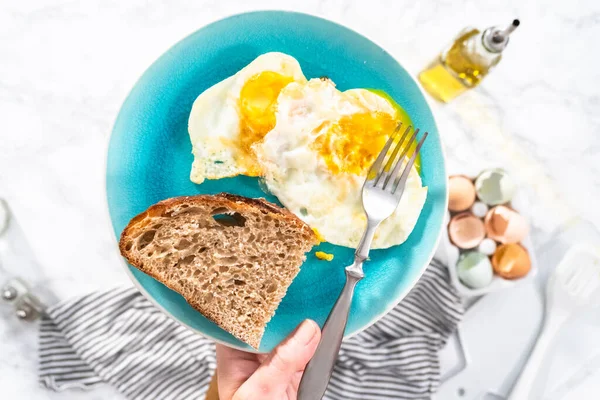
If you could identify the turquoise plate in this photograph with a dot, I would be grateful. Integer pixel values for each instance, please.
(149, 159)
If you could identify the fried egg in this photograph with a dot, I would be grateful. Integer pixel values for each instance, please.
(316, 157)
(229, 117)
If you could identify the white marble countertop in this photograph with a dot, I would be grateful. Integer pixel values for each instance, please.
(66, 67)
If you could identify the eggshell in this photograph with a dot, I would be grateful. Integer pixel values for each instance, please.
(505, 225)
(479, 209)
(494, 187)
(474, 270)
(487, 246)
(461, 193)
(466, 230)
(511, 261)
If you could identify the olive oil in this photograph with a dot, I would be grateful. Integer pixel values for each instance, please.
(462, 66)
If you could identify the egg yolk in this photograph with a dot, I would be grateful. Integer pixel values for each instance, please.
(321, 255)
(401, 116)
(258, 101)
(352, 144)
(320, 237)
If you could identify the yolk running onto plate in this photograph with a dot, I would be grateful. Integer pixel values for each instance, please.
(258, 99)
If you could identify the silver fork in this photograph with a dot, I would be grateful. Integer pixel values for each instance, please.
(381, 195)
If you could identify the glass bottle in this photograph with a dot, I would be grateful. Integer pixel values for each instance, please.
(465, 62)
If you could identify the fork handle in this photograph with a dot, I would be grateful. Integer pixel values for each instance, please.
(318, 371)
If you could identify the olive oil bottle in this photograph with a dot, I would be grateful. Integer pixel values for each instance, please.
(465, 62)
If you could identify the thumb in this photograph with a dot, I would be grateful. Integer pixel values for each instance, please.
(284, 363)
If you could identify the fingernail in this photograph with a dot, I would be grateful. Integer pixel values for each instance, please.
(306, 331)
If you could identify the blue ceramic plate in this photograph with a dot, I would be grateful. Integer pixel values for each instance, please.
(149, 159)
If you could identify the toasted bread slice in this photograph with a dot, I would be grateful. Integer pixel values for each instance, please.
(232, 258)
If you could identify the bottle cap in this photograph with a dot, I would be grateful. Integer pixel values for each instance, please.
(495, 39)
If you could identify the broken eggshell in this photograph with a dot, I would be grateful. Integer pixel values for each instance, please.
(474, 270)
(505, 225)
(494, 187)
(461, 193)
(466, 230)
(511, 261)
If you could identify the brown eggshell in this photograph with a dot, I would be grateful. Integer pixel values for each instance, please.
(461, 193)
(505, 225)
(511, 261)
(466, 230)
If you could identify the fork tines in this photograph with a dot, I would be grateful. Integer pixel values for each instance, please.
(387, 172)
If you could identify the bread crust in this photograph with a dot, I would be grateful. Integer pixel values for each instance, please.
(230, 201)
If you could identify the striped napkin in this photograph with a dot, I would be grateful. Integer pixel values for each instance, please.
(120, 338)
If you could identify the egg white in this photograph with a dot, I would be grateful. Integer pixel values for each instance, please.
(214, 122)
(299, 177)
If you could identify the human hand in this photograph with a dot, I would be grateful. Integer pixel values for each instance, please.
(274, 376)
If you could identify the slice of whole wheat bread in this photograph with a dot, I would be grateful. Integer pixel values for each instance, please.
(232, 258)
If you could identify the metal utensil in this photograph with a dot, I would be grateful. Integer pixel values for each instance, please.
(21, 284)
(381, 195)
(574, 283)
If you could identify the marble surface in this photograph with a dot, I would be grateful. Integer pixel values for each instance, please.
(66, 67)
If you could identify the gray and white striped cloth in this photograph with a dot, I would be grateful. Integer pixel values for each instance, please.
(120, 338)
